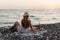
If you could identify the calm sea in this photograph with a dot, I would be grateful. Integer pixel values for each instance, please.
(9, 16)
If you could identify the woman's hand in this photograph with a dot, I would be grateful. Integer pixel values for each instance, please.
(32, 31)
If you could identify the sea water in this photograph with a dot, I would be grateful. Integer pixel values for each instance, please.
(44, 16)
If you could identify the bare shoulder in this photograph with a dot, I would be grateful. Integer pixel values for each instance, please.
(21, 20)
(29, 20)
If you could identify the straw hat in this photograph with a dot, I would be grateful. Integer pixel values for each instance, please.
(26, 14)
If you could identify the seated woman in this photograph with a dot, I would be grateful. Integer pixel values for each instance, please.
(26, 23)
(14, 27)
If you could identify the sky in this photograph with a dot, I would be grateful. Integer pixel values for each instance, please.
(29, 4)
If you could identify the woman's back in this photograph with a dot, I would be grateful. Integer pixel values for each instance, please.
(25, 23)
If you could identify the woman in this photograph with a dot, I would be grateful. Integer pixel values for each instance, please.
(25, 23)
(14, 27)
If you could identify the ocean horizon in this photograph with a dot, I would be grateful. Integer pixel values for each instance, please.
(42, 16)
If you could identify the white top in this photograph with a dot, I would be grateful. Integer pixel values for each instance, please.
(21, 29)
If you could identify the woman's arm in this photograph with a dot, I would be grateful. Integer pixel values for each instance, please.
(31, 26)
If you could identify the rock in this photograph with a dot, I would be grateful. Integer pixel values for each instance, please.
(53, 33)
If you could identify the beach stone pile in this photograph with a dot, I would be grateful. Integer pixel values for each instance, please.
(5, 34)
(53, 31)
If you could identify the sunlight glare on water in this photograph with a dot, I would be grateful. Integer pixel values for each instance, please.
(9, 16)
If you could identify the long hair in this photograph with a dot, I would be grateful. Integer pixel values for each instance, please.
(16, 24)
(26, 15)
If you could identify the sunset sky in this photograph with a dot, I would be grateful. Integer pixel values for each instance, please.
(29, 4)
